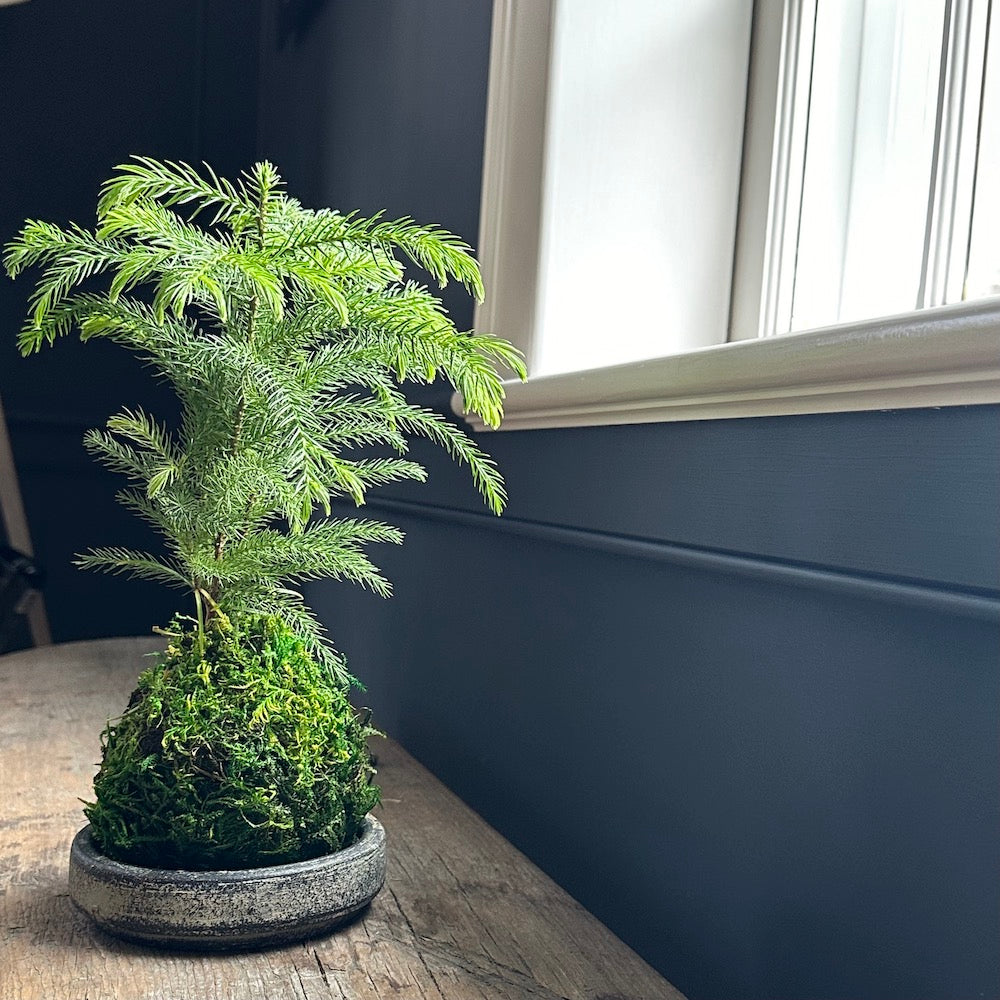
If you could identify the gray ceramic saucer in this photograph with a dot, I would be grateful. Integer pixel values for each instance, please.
(227, 910)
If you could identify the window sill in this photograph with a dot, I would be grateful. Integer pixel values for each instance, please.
(949, 356)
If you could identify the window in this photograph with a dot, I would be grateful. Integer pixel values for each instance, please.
(644, 247)
(881, 166)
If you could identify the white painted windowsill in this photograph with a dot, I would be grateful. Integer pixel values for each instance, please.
(948, 356)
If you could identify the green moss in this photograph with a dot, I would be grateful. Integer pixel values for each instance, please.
(236, 751)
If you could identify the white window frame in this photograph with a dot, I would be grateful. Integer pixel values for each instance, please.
(944, 356)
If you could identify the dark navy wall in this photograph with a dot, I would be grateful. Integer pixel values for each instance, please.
(375, 106)
(84, 86)
(800, 757)
(733, 683)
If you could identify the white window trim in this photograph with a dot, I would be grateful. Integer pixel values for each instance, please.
(947, 356)
(513, 168)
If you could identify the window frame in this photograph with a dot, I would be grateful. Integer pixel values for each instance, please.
(944, 356)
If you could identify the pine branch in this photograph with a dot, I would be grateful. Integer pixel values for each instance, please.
(372, 472)
(170, 183)
(166, 512)
(140, 565)
(70, 257)
(437, 251)
(118, 456)
(462, 448)
(270, 555)
(141, 428)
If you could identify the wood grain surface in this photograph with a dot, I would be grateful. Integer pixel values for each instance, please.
(463, 916)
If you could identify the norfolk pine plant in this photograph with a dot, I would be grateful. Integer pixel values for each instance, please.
(286, 334)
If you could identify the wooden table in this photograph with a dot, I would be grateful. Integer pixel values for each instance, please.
(462, 915)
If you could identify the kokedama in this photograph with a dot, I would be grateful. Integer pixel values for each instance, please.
(286, 334)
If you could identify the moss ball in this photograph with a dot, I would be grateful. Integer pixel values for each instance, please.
(236, 751)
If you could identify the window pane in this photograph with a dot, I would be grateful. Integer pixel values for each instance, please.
(869, 157)
(984, 250)
(643, 145)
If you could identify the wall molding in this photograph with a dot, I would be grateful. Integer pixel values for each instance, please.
(940, 598)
